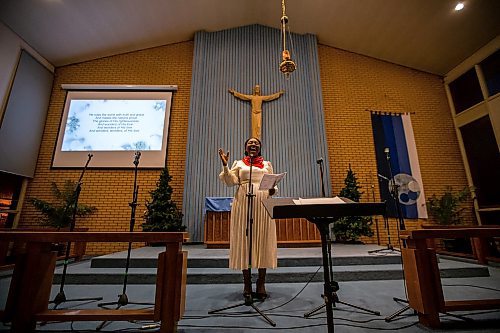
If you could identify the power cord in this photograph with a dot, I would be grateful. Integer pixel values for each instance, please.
(470, 285)
(296, 295)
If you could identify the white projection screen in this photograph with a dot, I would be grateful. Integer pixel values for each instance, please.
(112, 126)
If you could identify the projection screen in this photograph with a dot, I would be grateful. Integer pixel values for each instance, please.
(112, 126)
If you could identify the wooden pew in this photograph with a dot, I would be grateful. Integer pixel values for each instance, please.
(423, 282)
(31, 283)
(78, 249)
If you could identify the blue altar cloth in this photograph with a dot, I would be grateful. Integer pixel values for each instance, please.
(218, 204)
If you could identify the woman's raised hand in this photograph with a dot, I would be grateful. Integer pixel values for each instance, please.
(223, 157)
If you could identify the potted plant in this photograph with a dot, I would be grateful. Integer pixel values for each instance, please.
(60, 213)
(350, 228)
(161, 212)
(446, 210)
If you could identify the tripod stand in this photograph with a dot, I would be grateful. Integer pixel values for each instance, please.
(123, 298)
(393, 189)
(249, 300)
(61, 296)
(331, 287)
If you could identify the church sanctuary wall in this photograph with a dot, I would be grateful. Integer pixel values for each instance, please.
(293, 135)
(352, 84)
(111, 190)
(340, 84)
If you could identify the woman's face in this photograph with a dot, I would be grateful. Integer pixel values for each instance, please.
(253, 147)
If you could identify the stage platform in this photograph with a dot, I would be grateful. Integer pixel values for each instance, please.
(288, 301)
(352, 262)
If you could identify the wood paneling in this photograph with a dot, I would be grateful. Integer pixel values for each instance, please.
(290, 232)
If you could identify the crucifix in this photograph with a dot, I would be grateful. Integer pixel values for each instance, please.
(256, 99)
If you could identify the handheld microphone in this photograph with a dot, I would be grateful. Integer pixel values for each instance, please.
(320, 160)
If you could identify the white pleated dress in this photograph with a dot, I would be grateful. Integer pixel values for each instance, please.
(264, 244)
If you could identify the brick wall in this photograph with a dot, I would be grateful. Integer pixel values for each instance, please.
(352, 84)
(111, 190)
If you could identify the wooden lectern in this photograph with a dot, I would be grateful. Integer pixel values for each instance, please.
(322, 215)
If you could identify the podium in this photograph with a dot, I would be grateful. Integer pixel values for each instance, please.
(322, 215)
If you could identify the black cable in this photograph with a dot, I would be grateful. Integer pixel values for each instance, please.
(304, 326)
(296, 295)
(474, 313)
(380, 328)
(470, 285)
(251, 328)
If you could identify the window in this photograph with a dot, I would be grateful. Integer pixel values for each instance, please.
(491, 71)
(484, 160)
(466, 91)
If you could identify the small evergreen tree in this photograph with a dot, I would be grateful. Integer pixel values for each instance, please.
(162, 213)
(350, 228)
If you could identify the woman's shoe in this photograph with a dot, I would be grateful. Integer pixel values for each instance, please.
(247, 283)
(261, 284)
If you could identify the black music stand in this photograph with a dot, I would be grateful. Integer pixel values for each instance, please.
(322, 215)
(249, 299)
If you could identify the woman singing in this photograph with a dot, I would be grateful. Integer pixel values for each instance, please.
(264, 245)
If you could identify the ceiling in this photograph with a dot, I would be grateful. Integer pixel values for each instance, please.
(427, 35)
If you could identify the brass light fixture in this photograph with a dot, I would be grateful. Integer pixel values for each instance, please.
(287, 65)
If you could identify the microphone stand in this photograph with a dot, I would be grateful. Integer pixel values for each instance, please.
(123, 298)
(61, 297)
(320, 162)
(401, 224)
(393, 189)
(249, 300)
(376, 219)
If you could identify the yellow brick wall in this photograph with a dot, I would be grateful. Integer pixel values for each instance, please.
(111, 190)
(351, 84)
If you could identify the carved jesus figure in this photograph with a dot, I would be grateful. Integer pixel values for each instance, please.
(256, 99)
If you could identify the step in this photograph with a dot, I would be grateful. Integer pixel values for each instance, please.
(200, 257)
(115, 262)
(83, 273)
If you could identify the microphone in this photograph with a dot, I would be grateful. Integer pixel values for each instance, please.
(320, 160)
(137, 157)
